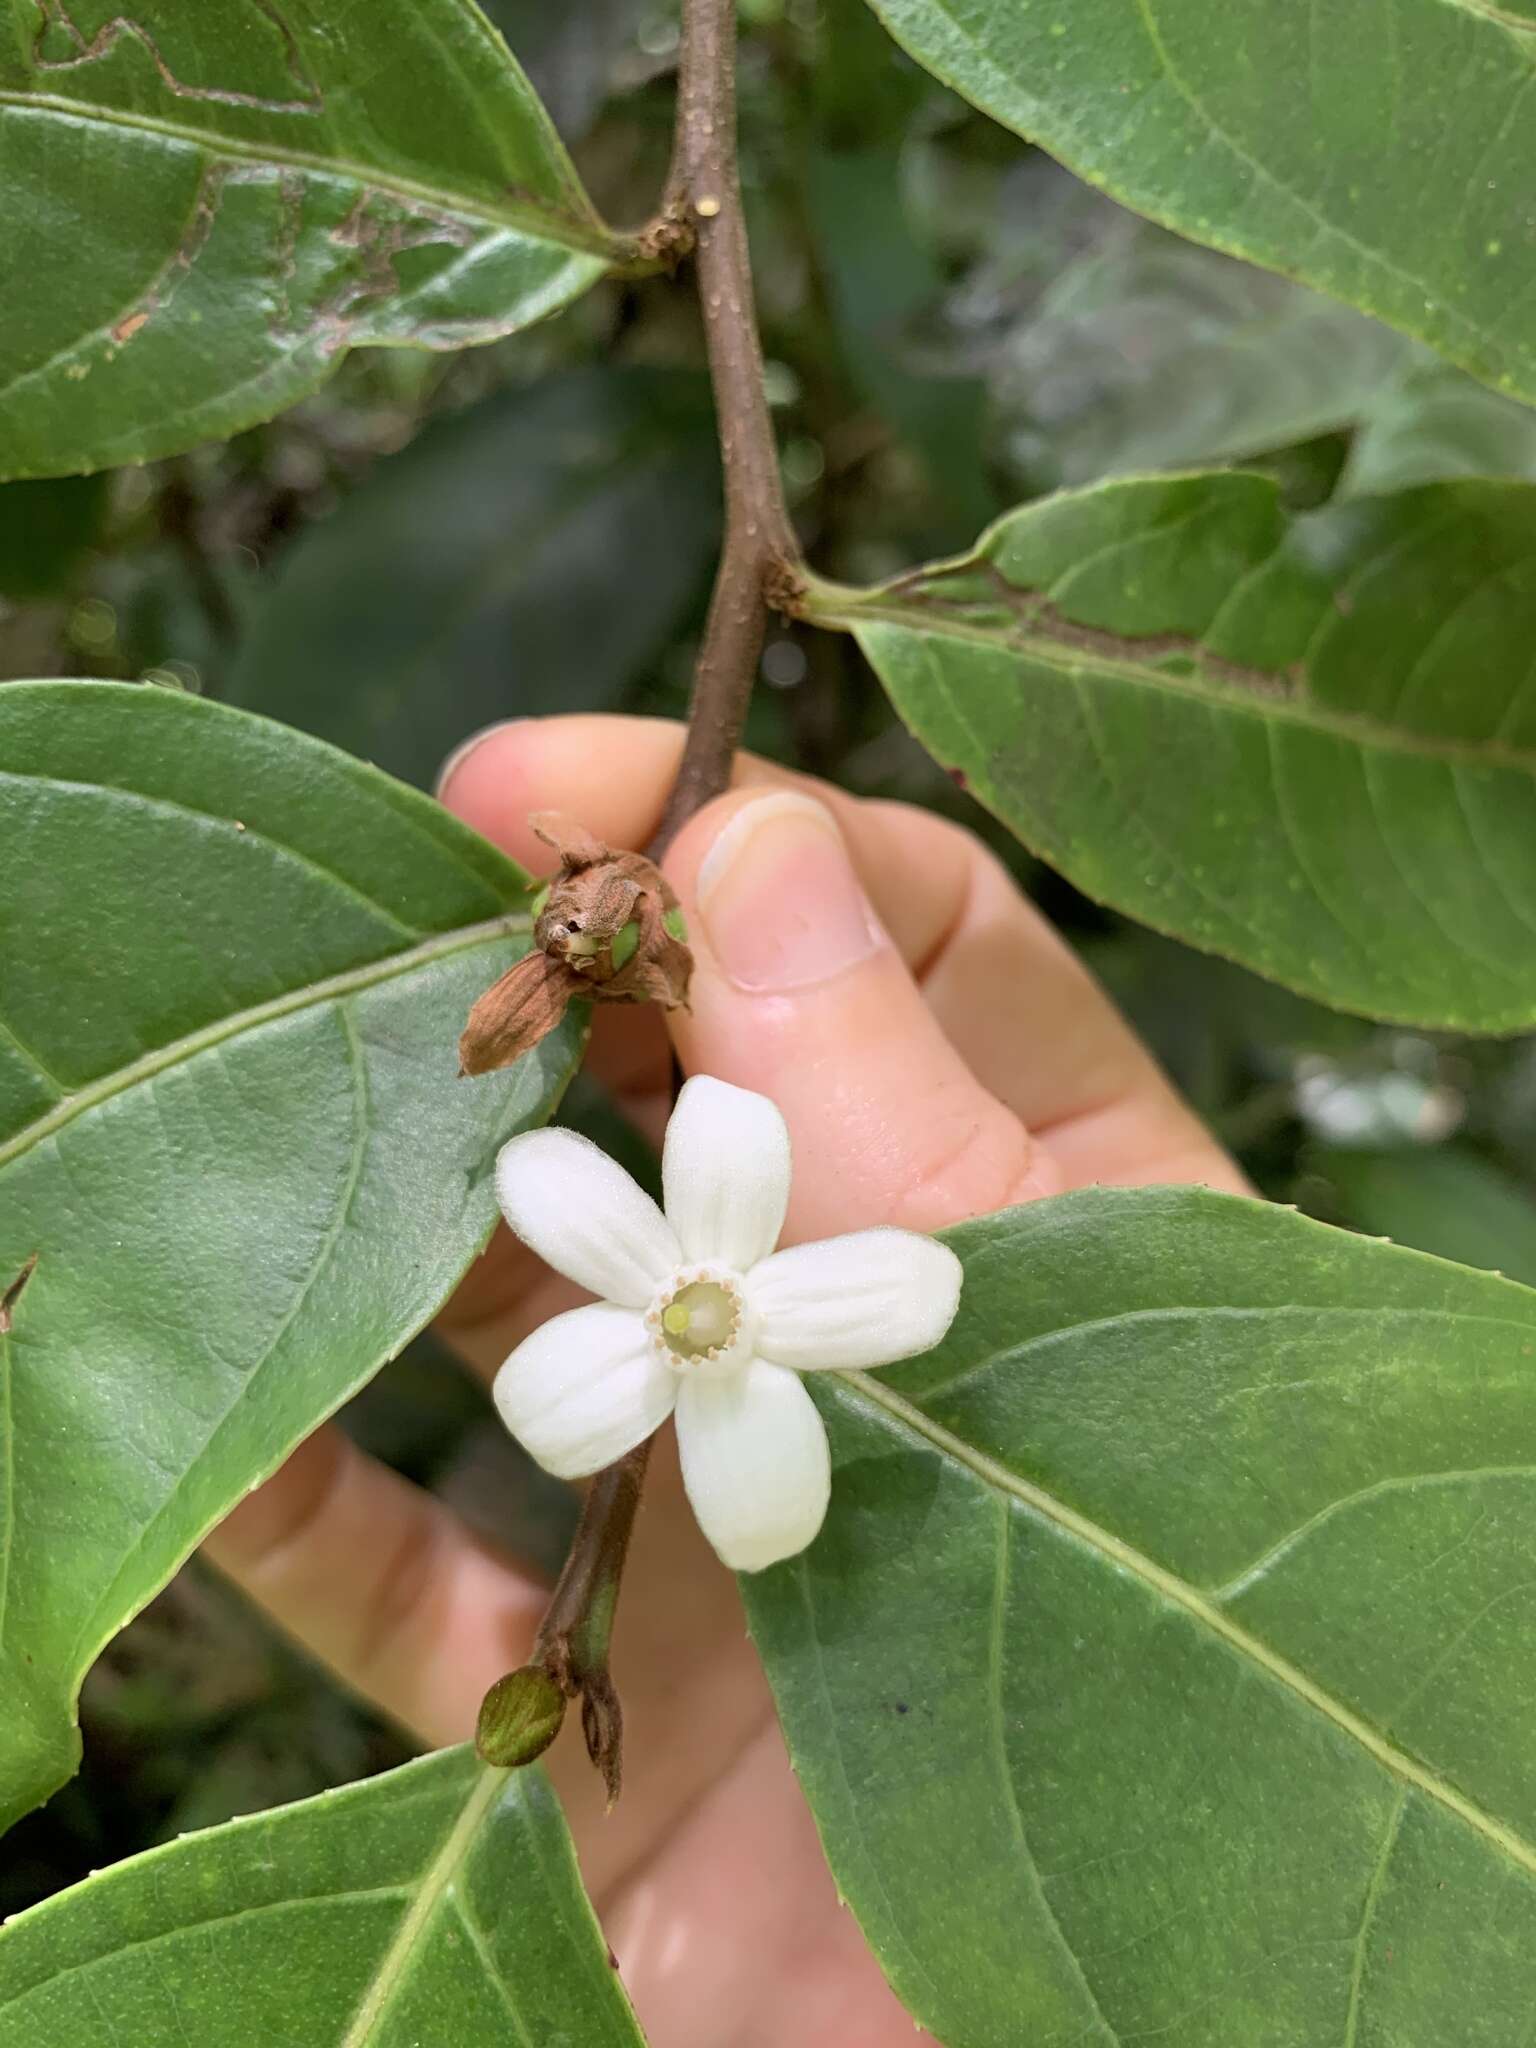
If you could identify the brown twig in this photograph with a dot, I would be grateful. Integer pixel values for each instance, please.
(760, 556)
(759, 565)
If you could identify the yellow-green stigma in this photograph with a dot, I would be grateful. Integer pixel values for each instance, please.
(700, 1319)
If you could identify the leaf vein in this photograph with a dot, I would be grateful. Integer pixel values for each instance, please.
(1399, 1482)
(396, 1963)
(537, 222)
(136, 799)
(1368, 1914)
(996, 1651)
(310, 996)
(1179, 1593)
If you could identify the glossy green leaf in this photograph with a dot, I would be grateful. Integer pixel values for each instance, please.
(233, 968)
(1166, 1667)
(1305, 743)
(213, 199)
(438, 1903)
(530, 554)
(1379, 152)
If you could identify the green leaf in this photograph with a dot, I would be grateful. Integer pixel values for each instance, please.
(45, 530)
(1166, 1666)
(1431, 422)
(364, 1918)
(1305, 743)
(532, 552)
(1145, 353)
(234, 967)
(1379, 152)
(1444, 1199)
(211, 203)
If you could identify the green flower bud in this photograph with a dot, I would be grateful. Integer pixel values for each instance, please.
(519, 1718)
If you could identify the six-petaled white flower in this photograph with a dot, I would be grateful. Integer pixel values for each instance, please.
(701, 1316)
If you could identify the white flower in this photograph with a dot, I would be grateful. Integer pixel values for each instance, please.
(696, 1317)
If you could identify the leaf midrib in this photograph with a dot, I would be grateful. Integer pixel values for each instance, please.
(1176, 1590)
(542, 223)
(435, 1887)
(307, 996)
(1307, 713)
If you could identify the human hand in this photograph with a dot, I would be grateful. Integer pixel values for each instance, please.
(938, 1052)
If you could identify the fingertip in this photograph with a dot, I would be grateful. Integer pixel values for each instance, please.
(610, 774)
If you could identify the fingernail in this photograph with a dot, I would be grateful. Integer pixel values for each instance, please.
(462, 752)
(778, 898)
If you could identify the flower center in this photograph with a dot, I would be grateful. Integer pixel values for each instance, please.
(700, 1320)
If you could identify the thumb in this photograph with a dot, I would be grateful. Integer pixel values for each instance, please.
(799, 993)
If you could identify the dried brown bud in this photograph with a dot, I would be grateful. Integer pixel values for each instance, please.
(614, 918)
(519, 1718)
(516, 1012)
(609, 929)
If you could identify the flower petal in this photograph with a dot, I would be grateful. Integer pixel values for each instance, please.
(584, 1389)
(865, 1299)
(725, 1172)
(755, 1463)
(569, 1202)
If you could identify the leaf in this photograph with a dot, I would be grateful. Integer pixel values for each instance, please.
(45, 530)
(1146, 353)
(1305, 743)
(358, 1919)
(212, 200)
(1430, 422)
(1443, 1199)
(1166, 1666)
(1377, 152)
(234, 965)
(530, 553)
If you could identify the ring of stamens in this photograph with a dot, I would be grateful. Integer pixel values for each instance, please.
(697, 1318)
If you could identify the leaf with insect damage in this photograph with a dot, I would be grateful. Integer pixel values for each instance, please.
(209, 201)
(1305, 742)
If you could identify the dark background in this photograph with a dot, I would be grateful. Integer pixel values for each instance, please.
(953, 325)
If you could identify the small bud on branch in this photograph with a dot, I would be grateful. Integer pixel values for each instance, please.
(519, 1718)
(610, 930)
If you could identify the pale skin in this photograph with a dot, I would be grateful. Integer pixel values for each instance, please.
(955, 1059)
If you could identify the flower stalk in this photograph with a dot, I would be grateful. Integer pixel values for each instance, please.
(759, 565)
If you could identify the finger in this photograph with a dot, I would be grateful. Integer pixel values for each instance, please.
(383, 1584)
(389, 1589)
(613, 774)
(799, 993)
(1037, 1029)
(1019, 1006)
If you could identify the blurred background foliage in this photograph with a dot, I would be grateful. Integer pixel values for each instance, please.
(953, 325)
